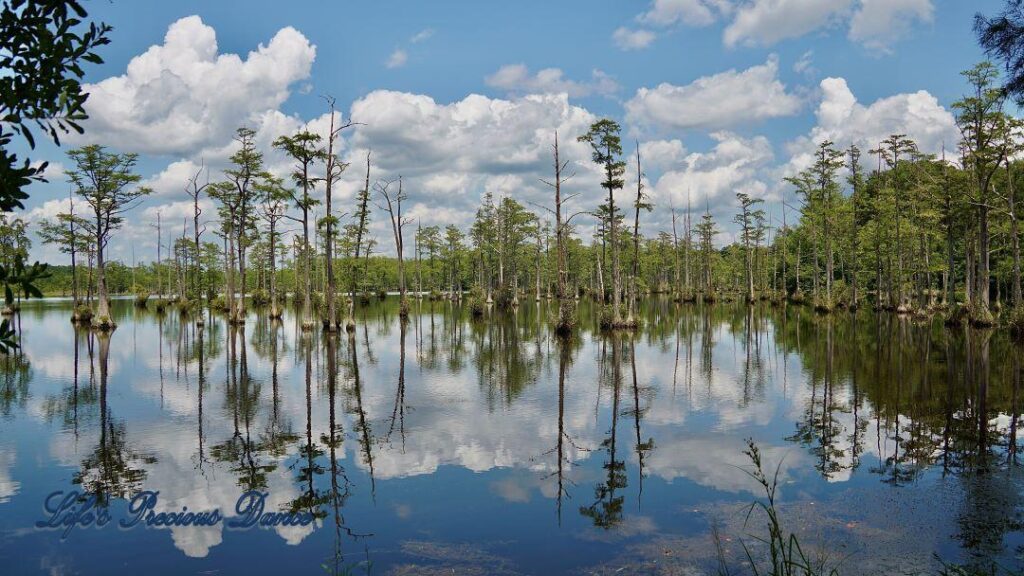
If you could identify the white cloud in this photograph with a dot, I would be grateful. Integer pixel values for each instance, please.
(182, 95)
(51, 208)
(805, 65)
(878, 23)
(765, 22)
(171, 180)
(667, 13)
(712, 102)
(735, 164)
(397, 59)
(662, 154)
(690, 12)
(518, 79)
(8, 486)
(874, 23)
(422, 35)
(632, 39)
(54, 170)
(843, 120)
(449, 154)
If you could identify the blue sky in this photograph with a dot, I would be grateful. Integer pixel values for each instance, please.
(723, 95)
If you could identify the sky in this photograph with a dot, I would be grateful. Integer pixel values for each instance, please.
(464, 97)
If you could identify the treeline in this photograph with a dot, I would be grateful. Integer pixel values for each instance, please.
(892, 226)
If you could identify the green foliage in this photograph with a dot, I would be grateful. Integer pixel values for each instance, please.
(81, 313)
(141, 298)
(260, 297)
(606, 317)
(477, 301)
(43, 46)
(567, 317)
(1015, 321)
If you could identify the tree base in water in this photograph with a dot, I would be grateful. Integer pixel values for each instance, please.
(956, 317)
(103, 324)
(1015, 321)
(81, 314)
(979, 316)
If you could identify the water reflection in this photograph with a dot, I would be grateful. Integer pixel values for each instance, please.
(470, 432)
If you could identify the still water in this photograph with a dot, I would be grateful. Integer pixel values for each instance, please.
(446, 444)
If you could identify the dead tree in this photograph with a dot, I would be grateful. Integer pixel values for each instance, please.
(333, 172)
(392, 203)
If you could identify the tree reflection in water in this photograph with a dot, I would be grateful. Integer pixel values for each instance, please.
(906, 405)
(606, 510)
(113, 469)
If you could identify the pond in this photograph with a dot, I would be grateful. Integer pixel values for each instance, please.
(447, 444)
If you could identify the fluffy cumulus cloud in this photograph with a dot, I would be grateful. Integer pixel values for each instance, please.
(183, 95)
(662, 154)
(516, 78)
(712, 102)
(712, 178)
(765, 22)
(878, 22)
(449, 154)
(844, 120)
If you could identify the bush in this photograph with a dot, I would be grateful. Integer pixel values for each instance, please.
(477, 302)
(957, 316)
(219, 303)
(316, 300)
(980, 316)
(798, 297)
(566, 317)
(260, 298)
(1015, 321)
(81, 313)
(506, 297)
(823, 304)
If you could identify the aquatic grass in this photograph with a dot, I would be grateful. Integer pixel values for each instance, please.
(786, 557)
